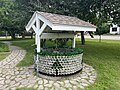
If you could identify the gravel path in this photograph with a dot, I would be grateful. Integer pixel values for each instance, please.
(12, 77)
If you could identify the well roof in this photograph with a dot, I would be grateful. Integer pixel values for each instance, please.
(65, 20)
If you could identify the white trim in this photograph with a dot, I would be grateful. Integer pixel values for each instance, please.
(37, 22)
(42, 29)
(36, 39)
(38, 43)
(71, 28)
(31, 22)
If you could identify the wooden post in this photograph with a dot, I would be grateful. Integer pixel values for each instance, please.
(82, 38)
(38, 32)
(36, 39)
(38, 35)
(38, 43)
(73, 42)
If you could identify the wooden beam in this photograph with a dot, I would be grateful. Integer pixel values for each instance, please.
(56, 35)
(74, 42)
(37, 22)
(34, 28)
(31, 22)
(42, 29)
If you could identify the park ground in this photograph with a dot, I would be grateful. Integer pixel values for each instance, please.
(104, 56)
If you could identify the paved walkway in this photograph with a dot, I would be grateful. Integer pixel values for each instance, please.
(12, 77)
(107, 37)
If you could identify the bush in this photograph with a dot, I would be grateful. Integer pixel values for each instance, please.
(60, 52)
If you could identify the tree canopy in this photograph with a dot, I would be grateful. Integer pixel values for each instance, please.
(16, 13)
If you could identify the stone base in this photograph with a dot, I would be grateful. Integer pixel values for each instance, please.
(59, 65)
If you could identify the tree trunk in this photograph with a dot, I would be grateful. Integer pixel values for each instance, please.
(12, 34)
(23, 35)
(32, 35)
(99, 38)
(82, 38)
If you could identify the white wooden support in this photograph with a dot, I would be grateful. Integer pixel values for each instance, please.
(42, 29)
(36, 39)
(31, 22)
(38, 32)
(37, 22)
(38, 43)
(74, 42)
(34, 28)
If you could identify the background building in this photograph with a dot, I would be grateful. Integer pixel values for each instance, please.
(115, 29)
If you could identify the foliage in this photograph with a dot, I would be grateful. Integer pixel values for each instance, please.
(4, 51)
(13, 18)
(8, 19)
(71, 52)
(16, 13)
(61, 42)
(102, 29)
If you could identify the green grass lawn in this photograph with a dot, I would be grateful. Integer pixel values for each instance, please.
(4, 49)
(104, 57)
(3, 55)
(28, 45)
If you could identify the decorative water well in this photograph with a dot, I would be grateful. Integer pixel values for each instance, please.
(62, 61)
(59, 62)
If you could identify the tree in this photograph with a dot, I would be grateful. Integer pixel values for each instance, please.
(20, 11)
(7, 21)
(10, 20)
(102, 29)
(13, 18)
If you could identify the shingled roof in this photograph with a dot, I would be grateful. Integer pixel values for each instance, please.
(59, 22)
(65, 20)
